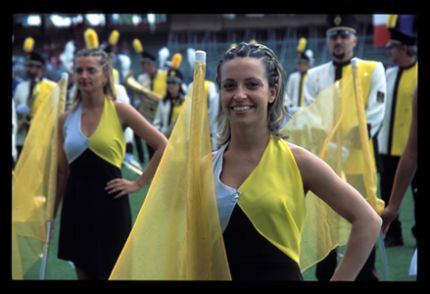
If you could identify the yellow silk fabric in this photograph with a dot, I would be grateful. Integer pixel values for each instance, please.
(160, 84)
(177, 107)
(272, 197)
(334, 128)
(41, 92)
(363, 74)
(177, 234)
(34, 182)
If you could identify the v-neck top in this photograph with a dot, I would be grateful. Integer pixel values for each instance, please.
(107, 141)
(271, 197)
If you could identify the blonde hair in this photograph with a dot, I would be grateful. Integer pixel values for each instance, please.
(276, 78)
(106, 63)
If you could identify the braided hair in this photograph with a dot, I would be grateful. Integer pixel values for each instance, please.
(106, 63)
(276, 78)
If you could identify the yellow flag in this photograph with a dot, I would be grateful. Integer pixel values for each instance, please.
(34, 181)
(334, 128)
(177, 234)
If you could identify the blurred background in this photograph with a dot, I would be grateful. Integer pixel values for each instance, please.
(213, 33)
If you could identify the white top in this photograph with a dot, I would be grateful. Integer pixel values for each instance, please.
(161, 118)
(21, 94)
(293, 89)
(226, 196)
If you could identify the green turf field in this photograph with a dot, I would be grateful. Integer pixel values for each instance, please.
(398, 257)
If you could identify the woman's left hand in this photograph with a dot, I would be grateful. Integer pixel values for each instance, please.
(388, 216)
(121, 187)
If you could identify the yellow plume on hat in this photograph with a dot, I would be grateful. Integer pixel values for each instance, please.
(91, 38)
(137, 45)
(253, 41)
(176, 60)
(114, 37)
(301, 46)
(233, 45)
(392, 19)
(28, 45)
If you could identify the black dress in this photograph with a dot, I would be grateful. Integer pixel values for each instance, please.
(251, 256)
(94, 225)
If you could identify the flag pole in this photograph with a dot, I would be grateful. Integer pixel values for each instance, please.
(367, 162)
(44, 263)
(383, 254)
(50, 222)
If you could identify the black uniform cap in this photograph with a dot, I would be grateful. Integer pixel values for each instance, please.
(108, 48)
(404, 31)
(34, 57)
(345, 22)
(303, 57)
(148, 57)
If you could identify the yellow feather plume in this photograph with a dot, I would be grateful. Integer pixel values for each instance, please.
(114, 37)
(137, 45)
(28, 45)
(301, 46)
(176, 60)
(91, 39)
(392, 20)
(253, 42)
(233, 45)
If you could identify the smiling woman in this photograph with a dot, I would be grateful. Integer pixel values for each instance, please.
(261, 180)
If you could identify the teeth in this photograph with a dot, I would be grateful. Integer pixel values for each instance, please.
(241, 108)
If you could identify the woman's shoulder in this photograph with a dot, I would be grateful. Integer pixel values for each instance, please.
(302, 156)
(296, 149)
(310, 165)
(124, 111)
(122, 107)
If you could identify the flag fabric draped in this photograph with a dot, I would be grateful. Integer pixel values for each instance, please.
(34, 182)
(177, 234)
(381, 33)
(334, 128)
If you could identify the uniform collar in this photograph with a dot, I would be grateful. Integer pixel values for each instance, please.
(341, 64)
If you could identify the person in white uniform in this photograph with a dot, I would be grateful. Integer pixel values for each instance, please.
(341, 40)
(402, 79)
(296, 81)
